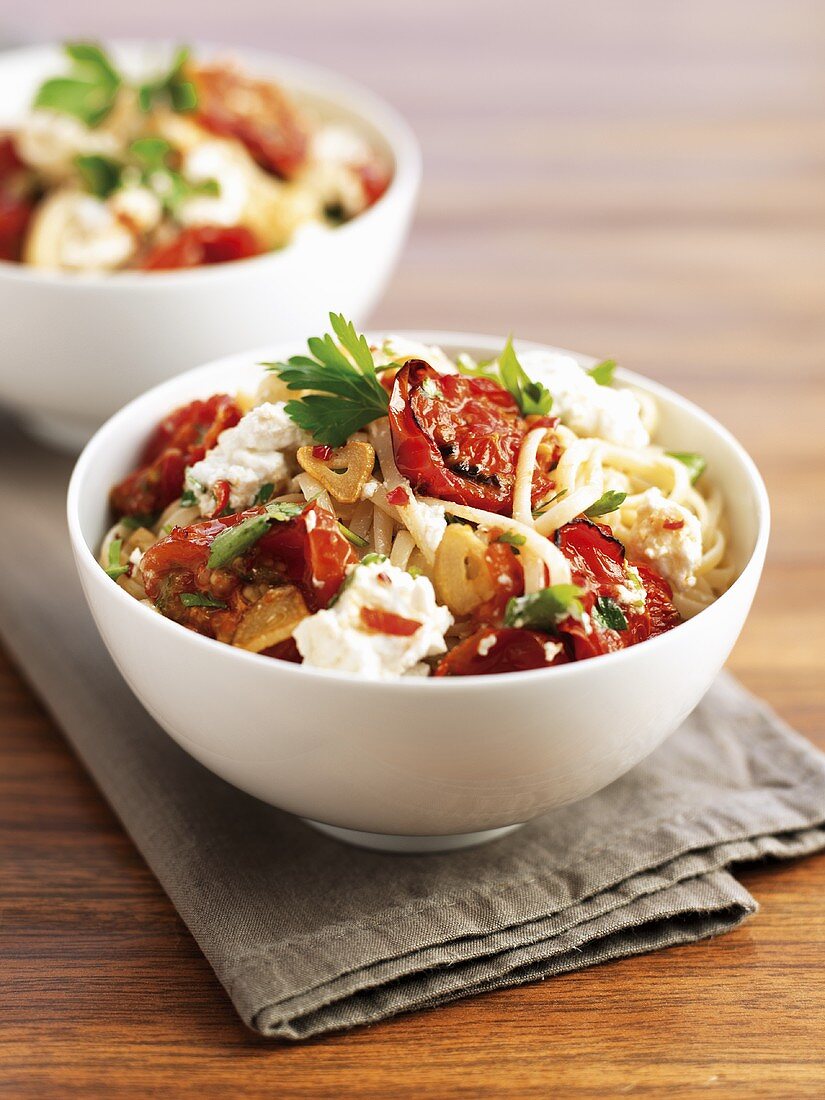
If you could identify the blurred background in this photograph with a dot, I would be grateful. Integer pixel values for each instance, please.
(641, 179)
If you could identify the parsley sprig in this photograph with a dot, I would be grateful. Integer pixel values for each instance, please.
(544, 610)
(172, 88)
(603, 372)
(606, 503)
(236, 540)
(532, 398)
(89, 89)
(696, 463)
(345, 392)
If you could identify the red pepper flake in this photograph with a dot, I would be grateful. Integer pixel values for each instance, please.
(398, 497)
(673, 524)
(220, 490)
(322, 452)
(385, 622)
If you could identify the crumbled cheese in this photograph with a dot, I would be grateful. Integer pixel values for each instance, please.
(139, 207)
(398, 349)
(427, 522)
(49, 141)
(633, 594)
(552, 650)
(230, 169)
(136, 556)
(485, 644)
(674, 552)
(337, 638)
(258, 451)
(582, 404)
(77, 232)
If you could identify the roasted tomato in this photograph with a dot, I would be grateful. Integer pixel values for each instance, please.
(375, 181)
(314, 553)
(201, 245)
(503, 650)
(458, 438)
(16, 206)
(181, 438)
(508, 579)
(257, 113)
(598, 563)
(308, 550)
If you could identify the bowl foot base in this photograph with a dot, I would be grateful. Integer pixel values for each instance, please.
(410, 845)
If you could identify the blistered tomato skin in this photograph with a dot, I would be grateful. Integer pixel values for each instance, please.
(506, 649)
(458, 438)
(202, 245)
(182, 438)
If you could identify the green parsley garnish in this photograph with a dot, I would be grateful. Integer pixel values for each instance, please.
(152, 156)
(346, 392)
(356, 540)
(512, 538)
(90, 89)
(609, 502)
(543, 610)
(236, 540)
(532, 398)
(198, 599)
(696, 463)
(545, 504)
(603, 372)
(263, 494)
(608, 615)
(100, 175)
(172, 88)
(114, 568)
(414, 571)
(187, 497)
(371, 559)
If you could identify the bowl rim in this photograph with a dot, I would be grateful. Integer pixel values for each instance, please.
(326, 84)
(87, 559)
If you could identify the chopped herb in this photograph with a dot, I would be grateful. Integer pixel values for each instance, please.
(347, 394)
(356, 540)
(152, 156)
(371, 559)
(609, 502)
(512, 538)
(430, 388)
(90, 89)
(236, 540)
(172, 89)
(467, 365)
(543, 610)
(414, 571)
(148, 519)
(263, 494)
(603, 372)
(150, 152)
(198, 599)
(696, 463)
(100, 175)
(545, 504)
(114, 568)
(532, 398)
(187, 497)
(450, 518)
(608, 615)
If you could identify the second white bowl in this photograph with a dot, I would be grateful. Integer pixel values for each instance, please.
(78, 347)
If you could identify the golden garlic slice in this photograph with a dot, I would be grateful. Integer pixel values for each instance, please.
(460, 574)
(271, 619)
(344, 473)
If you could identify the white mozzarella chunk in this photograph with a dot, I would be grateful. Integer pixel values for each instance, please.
(582, 404)
(139, 207)
(230, 168)
(77, 232)
(258, 451)
(669, 537)
(339, 638)
(49, 141)
(398, 349)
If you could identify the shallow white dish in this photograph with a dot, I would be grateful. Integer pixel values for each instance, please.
(78, 346)
(414, 765)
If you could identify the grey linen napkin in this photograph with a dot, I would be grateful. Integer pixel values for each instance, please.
(309, 936)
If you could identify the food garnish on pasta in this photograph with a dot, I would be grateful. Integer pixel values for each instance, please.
(197, 163)
(386, 510)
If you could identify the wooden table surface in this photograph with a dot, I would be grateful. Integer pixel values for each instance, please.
(641, 180)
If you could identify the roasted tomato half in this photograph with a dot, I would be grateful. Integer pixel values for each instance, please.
(597, 560)
(181, 438)
(16, 204)
(202, 245)
(257, 113)
(507, 649)
(458, 438)
(308, 550)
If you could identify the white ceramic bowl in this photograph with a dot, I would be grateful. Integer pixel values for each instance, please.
(417, 764)
(78, 347)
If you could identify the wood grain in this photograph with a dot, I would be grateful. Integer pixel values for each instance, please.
(641, 180)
